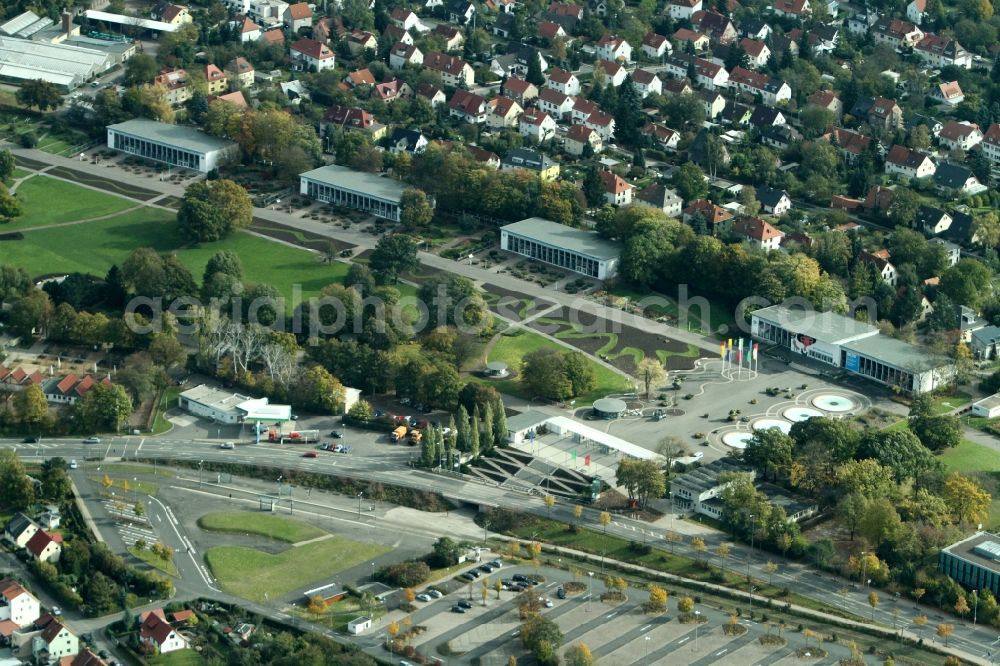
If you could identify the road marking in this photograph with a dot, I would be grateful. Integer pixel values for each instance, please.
(721, 652)
(139, 448)
(611, 615)
(646, 628)
(683, 639)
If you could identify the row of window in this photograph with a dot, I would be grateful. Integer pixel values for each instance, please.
(553, 255)
(155, 151)
(335, 195)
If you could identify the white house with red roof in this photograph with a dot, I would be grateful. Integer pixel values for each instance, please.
(757, 51)
(249, 31)
(683, 9)
(907, 163)
(771, 91)
(655, 46)
(961, 135)
(536, 124)
(580, 136)
(707, 74)
(156, 632)
(550, 30)
(520, 90)
(827, 99)
(175, 15)
(407, 20)
(915, 11)
(603, 123)
(662, 136)
(298, 16)
(791, 8)
(390, 91)
(613, 47)
(503, 112)
(563, 81)
(67, 390)
(938, 51)
(454, 71)
(402, 54)
(583, 108)
(312, 55)
(991, 143)
(614, 73)
(949, 92)
(45, 547)
(555, 103)
(698, 41)
(758, 233)
(468, 107)
(47, 641)
(646, 83)
(17, 605)
(617, 190)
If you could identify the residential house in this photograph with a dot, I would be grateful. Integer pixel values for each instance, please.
(240, 73)
(683, 9)
(467, 107)
(717, 220)
(434, 95)
(659, 196)
(939, 51)
(717, 26)
(298, 16)
(614, 48)
(563, 81)
(359, 77)
(359, 41)
(393, 34)
(960, 179)
(655, 46)
(452, 36)
(985, 342)
(795, 9)
(991, 143)
(954, 252)
(536, 124)
(758, 233)
(662, 137)
(735, 113)
(176, 84)
(322, 30)
(273, 37)
(47, 641)
(485, 157)
(390, 91)
(617, 191)
(908, 163)
(503, 112)
(44, 547)
(780, 43)
(766, 116)
(770, 91)
(755, 28)
(931, 220)
(916, 10)
(313, 56)
(699, 41)
(401, 55)
(579, 137)
(883, 267)
(407, 141)
(551, 31)
(602, 123)
(614, 73)
(407, 20)
(454, 71)
(915, 119)
(20, 529)
(352, 118)
(781, 137)
(175, 15)
(774, 202)
(566, 9)
(851, 144)
(501, 7)
(555, 103)
(827, 99)
(520, 90)
(757, 52)
(707, 73)
(17, 605)
(713, 102)
(646, 83)
(156, 633)
(532, 160)
(879, 112)
(963, 230)
(583, 108)
(949, 93)
(461, 11)
(249, 31)
(896, 32)
(960, 135)
(878, 199)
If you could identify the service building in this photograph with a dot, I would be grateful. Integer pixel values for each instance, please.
(855, 346)
(573, 249)
(175, 145)
(345, 187)
(231, 408)
(973, 562)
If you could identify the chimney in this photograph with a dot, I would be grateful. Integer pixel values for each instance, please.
(67, 22)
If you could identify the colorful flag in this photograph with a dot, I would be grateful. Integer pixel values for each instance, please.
(739, 357)
(586, 460)
(722, 350)
(756, 346)
(730, 345)
(574, 454)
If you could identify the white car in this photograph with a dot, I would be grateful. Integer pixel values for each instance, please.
(72, 464)
(423, 597)
(92, 440)
(437, 594)
(229, 446)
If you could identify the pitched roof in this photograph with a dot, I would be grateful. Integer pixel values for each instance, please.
(549, 29)
(236, 97)
(86, 658)
(467, 102)
(501, 106)
(313, 49)
(756, 228)
(299, 11)
(904, 157)
(275, 36)
(852, 142)
(560, 76)
(516, 85)
(644, 77)
(154, 626)
(770, 196)
(248, 25)
(954, 130)
(553, 96)
(659, 195)
(823, 98)
(52, 631)
(18, 524)
(992, 134)
(950, 90)
(533, 117)
(753, 47)
(239, 65)
(444, 63)
(10, 589)
(709, 211)
(653, 40)
(361, 77)
(615, 184)
(39, 542)
(580, 133)
(68, 382)
(687, 35)
(790, 6)
(951, 175)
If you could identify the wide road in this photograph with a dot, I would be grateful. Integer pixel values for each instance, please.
(824, 588)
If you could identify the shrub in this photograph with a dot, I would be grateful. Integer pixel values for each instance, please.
(28, 140)
(409, 573)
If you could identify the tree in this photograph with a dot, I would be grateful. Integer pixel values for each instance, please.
(698, 546)
(873, 602)
(30, 314)
(685, 604)
(17, 492)
(945, 631)
(593, 187)
(967, 500)
(904, 206)
(7, 164)
(317, 389)
(543, 374)
(967, 283)
(722, 551)
(141, 68)
(641, 478)
(415, 210)
(689, 182)
(393, 254)
(577, 512)
(657, 602)
(937, 433)
(40, 94)
(628, 113)
(651, 373)
(671, 448)
(899, 450)
(211, 210)
(550, 502)
(851, 511)
(579, 655)
(226, 262)
(104, 408)
(56, 484)
(31, 406)
(537, 629)
(604, 518)
(769, 451)
(10, 206)
(534, 74)
(962, 606)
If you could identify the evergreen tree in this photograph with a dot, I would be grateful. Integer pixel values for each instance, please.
(534, 74)
(474, 434)
(593, 187)
(737, 57)
(463, 435)
(427, 449)
(486, 435)
(499, 424)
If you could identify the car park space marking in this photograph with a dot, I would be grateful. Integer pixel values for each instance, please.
(645, 629)
(721, 652)
(683, 639)
(611, 615)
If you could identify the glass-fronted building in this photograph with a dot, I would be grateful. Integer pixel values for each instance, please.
(973, 562)
(573, 249)
(175, 145)
(345, 187)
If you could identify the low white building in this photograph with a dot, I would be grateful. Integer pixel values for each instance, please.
(17, 605)
(987, 408)
(175, 145)
(231, 408)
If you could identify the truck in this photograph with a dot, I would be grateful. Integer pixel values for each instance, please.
(294, 437)
(415, 437)
(398, 434)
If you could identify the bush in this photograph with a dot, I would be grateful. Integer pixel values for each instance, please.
(640, 548)
(409, 573)
(28, 140)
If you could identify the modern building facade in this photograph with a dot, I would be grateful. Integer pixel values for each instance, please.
(973, 562)
(553, 243)
(341, 186)
(171, 144)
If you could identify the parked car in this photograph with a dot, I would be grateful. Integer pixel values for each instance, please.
(92, 440)
(519, 578)
(468, 576)
(496, 564)
(336, 434)
(561, 593)
(72, 464)
(464, 603)
(309, 454)
(457, 609)
(486, 568)
(228, 446)
(30, 440)
(423, 597)
(436, 594)
(547, 603)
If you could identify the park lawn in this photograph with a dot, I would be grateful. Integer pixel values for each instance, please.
(167, 401)
(512, 348)
(969, 456)
(126, 468)
(176, 658)
(250, 573)
(50, 201)
(944, 403)
(261, 524)
(152, 560)
(719, 317)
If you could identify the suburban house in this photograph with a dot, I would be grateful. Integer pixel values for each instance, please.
(550, 31)
(156, 633)
(717, 26)
(359, 77)
(176, 84)
(915, 11)
(393, 33)
(216, 82)
(949, 93)
(536, 124)
(520, 90)
(991, 143)
(454, 72)
(468, 107)
(851, 144)
(20, 529)
(827, 99)
(713, 102)
(17, 605)
(707, 73)
(766, 116)
(298, 16)
(47, 641)
(603, 123)
(757, 52)
(240, 73)
(617, 191)
(563, 81)
(683, 9)
(390, 91)
(655, 46)
(774, 202)
(249, 31)
(880, 261)
(958, 178)
(406, 20)
(452, 36)
(896, 32)
(879, 112)
(174, 15)
(659, 196)
(771, 91)
(353, 118)
(718, 221)
(583, 108)
(614, 48)
(908, 163)
(434, 95)
(407, 141)
(503, 112)
(312, 55)
(579, 137)
(44, 547)
(401, 55)
(614, 72)
(698, 41)
(757, 233)
(461, 12)
(523, 158)
(960, 135)
(781, 137)
(555, 103)
(662, 136)
(796, 9)
(931, 220)
(696, 490)
(646, 83)
(938, 51)
(359, 41)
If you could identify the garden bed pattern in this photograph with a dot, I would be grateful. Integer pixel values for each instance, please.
(297, 237)
(513, 305)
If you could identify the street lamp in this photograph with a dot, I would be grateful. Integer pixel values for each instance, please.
(753, 528)
(470, 259)
(590, 589)
(697, 621)
(200, 463)
(975, 606)
(278, 486)
(359, 504)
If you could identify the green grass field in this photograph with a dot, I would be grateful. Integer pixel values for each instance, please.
(261, 524)
(177, 658)
(512, 348)
(971, 457)
(50, 201)
(942, 404)
(152, 560)
(250, 573)
(166, 402)
(706, 320)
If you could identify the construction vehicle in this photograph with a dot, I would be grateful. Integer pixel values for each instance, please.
(295, 437)
(415, 437)
(398, 434)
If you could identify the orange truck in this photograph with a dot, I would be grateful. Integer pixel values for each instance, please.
(398, 434)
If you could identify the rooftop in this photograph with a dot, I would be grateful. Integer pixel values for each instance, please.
(706, 477)
(559, 235)
(826, 327)
(898, 353)
(178, 136)
(982, 549)
(349, 179)
(526, 420)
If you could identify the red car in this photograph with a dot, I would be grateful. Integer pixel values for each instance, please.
(309, 454)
